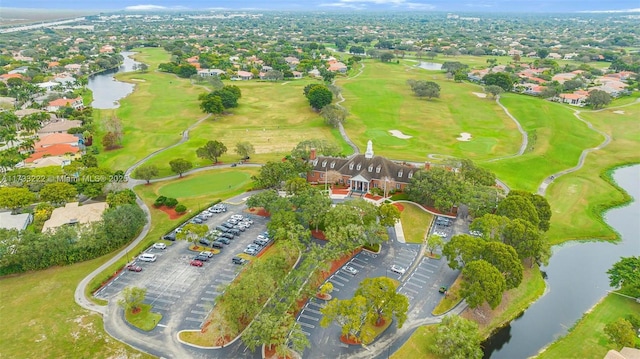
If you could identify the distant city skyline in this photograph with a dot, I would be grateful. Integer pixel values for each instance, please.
(486, 6)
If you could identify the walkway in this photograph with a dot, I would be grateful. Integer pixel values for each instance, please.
(525, 136)
(343, 133)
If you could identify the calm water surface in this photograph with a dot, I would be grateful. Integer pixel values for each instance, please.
(106, 90)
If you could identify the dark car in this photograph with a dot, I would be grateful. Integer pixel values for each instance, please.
(223, 240)
(234, 164)
(442, 290)
(227, 225)
(205, 241)
(196, 220)
(217, 244)
(234, 231)
(201, 257)
(171, 236)
(222, 229)
(134, 268)
(238, 260)
(228, 235)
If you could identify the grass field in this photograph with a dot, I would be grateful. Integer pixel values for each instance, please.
(481, 61)
(41, 320)
(418, 345)
(415, 222)
(379, 100)
(274, 117)
(587, 339)
(206, 184)
(556, 139)
(578, 200)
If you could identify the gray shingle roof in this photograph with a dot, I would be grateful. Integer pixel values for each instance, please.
(370, 168)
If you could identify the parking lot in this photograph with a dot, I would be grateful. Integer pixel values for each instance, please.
(182, 293)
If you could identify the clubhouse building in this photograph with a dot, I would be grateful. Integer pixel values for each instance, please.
(361, 173)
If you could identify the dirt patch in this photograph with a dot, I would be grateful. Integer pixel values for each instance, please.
(484, 314)
(370, 196)
(399, 134)
(171, 212)
(349, 340)
(464, 136)
(259, 211)
(399, 206)
(480, 94)
(619, 112)
(318, 234)
(343, 191)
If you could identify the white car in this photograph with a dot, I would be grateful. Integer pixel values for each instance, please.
(440, 234)
(159, 246)
(207, 253)
(398, 269)
(350, 270)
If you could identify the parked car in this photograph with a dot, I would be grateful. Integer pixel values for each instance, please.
(261, 237)
(206, 253)
(223, 240)
(442, 290)
(196, 263)
(134, 268)
(205, 241)
(350, 270)
(222, 229)
(235, 231)
(398, 269)
(159, 246)
(253, 245)
(196, 220)
(217, 244)
(147, 257)
(171, 236)
(234, 164)
(251, 251)
(227, 225)
(237, 217)
(228, 235)
(440, 234)
(201, 257)
(261, 242)
(238, 260)
(233, 221)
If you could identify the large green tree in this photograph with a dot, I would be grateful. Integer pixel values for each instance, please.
(15, 197)
(211, 104)
(388, 214)
(527, 241)
(319, 97)
(180, 166)
(58, 193)
(334, 115)
(625, 274)
(505, 259)
(598, 99)
(350, 315)
(244, 149)
(273, 174)
(146, 172)
(211, 151)
(621, 333)
(518, 207)
(383, 302)
(462, 249)
(501, 79)
(482, 283)
(93, 180)
(132, 298)
(193, 232)
(457, 338)
(437, 188)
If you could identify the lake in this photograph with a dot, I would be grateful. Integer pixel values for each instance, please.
(576, 280)
(106, 90)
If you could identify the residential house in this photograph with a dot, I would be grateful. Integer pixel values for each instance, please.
(578, 98)
(59, 126)
(55, 105)
(337, 67)
(292, 61)
(532, 89)
(19, 70)
(554, 56)
(50, 161)
(48, 86)
(15, 221)
(56, 139)
(362, 172)
(107, 49)
(625, 353)
(73, 213)
(73, 68)
(563, 77)
(5, 77)
(314, 73)
(297, 74)
(210, 72)
(570, 56)
(65, 79)
(243, 75)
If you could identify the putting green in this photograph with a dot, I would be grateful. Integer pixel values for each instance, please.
(205, 184)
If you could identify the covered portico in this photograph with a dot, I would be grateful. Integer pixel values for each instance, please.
(359, 184)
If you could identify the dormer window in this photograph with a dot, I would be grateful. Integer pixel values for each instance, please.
(370, 168)
(351, 166)
(359, 167)
(378, 169)
(324, 163)
(400, 173)
(333, 164)
(410, 174)
(315, 162)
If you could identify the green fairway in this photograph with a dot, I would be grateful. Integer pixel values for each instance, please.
(578, 199)
(154, 115)
(556, 139)
(415, 222)
(205, 184)
(481, 61)
(380, 100)
(587, 339)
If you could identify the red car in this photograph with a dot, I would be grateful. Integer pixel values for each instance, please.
(134, 268)
(196, 263)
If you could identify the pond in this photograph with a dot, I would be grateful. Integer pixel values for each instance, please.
(107, 91)
(430, 66)
(576, 280)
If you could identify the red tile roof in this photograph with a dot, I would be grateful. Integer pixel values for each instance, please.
(61, 102)
(54, 150)
(54, 139)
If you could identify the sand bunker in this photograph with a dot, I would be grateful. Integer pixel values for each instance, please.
(480, 94)
(465, 136)
(619, 112)
(139, 80)
(399, 134)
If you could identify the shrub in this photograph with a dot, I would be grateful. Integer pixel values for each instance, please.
(181, 208)
(160, 201)
(171, 202)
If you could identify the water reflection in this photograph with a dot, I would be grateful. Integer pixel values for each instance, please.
(106, 90)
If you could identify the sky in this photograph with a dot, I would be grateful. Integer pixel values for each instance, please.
(525, 6)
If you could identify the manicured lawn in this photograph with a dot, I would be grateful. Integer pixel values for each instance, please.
(556, 139)
(418, 344)
(206, 183)
(379, 100)
(451, 299)
(41, 320)
(481, 61)
(145, 319)
(587, 339)
(415, 222)
(578, 200)
(154, 115)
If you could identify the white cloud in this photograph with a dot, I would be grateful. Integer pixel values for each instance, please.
(362, 4)
(145, 7)
(343, 5)
(611, 11)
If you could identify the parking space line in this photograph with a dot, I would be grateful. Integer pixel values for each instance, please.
(309, 317)
(208, 298)
(198, 312)
(418, 274)
(357, 265)
(193, 319)
(353, 260)
(343, 278)
(315, 305)
(336, 283)
(410, 290)
(212, 292)
(165, 301)
(413, 284)
(344, 345)
(419, 280)
(305, 333)
(429, 264)
(306, 325)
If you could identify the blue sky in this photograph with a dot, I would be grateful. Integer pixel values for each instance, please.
(526, 6)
